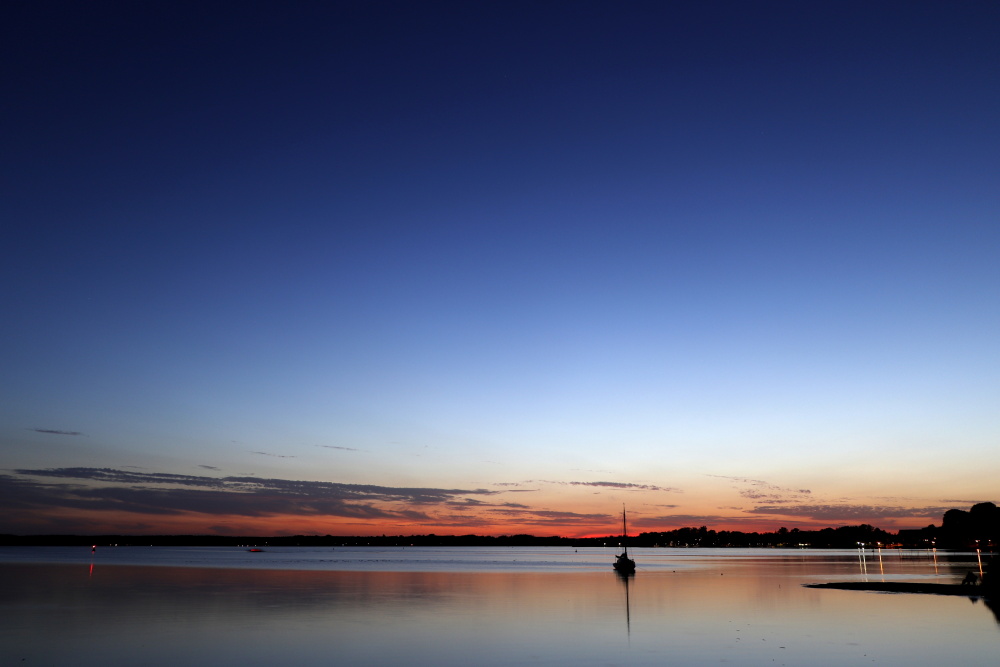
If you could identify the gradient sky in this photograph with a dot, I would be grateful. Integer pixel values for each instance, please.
(497, 267)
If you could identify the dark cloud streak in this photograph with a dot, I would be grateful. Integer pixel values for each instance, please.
(107, 489)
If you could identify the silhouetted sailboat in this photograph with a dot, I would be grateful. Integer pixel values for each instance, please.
(624, 564)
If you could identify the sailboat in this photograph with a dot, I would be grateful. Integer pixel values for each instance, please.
(623, 564)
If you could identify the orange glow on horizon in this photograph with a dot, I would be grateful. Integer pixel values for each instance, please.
(119, 523)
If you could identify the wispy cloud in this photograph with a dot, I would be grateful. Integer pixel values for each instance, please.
(343, 449)
(848, 512)
(759, 490)
(277, 456)
(672, 521)
(52, 431)
(961, 503)
(538, 517)
(623, 485)
(609, 485)
(794, 504)
(477, 504)
(116, 476)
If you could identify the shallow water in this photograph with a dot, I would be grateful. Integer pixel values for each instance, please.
(484, 606)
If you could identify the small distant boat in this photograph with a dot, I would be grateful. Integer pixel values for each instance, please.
(255, 549)
(623, 564)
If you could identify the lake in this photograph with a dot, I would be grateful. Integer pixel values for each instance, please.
(446, 606)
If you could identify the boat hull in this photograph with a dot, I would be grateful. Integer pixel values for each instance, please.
(624, 565)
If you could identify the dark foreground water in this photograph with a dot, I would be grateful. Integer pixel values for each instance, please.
(481, 606)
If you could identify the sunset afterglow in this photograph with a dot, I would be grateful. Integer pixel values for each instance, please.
(496, 268)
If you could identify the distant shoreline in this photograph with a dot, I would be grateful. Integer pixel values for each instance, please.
(802, 540)
(928, 588)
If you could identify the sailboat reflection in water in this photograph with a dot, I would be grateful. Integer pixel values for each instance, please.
(623, 564)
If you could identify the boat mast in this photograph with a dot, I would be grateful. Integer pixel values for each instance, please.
(624, 533)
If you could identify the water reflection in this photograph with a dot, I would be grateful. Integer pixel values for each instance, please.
(680, 609)
(624, 578)
(994, 607)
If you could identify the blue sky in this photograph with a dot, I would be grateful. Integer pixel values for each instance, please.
(565, 254)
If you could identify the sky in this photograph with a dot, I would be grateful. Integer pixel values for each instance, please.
(361, 268)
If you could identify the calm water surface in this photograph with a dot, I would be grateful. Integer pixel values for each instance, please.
(481, 606)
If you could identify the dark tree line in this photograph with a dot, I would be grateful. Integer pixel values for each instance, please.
(827, 538)
(960, 529)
